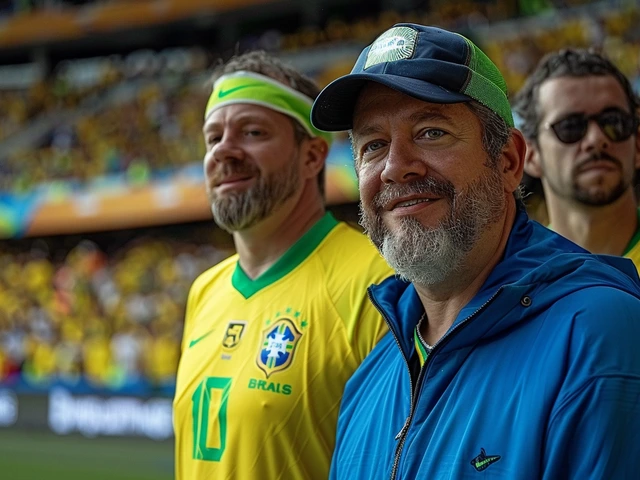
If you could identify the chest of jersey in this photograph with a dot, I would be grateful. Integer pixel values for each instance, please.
(269, 370)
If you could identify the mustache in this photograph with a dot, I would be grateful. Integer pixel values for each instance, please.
(226, 170)
(598, 157)
(428, 185)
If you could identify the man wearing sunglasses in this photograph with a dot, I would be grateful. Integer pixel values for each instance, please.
(579, 116)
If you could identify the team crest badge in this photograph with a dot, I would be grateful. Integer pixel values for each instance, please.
(233, 334)
(397, 43)
(278, 346)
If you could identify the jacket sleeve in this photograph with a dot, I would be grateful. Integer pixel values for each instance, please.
(594, 428)
(597, 434)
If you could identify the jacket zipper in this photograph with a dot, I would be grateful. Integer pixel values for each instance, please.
(395, 337)
(402, 435)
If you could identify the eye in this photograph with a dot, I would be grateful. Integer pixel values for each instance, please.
(211, 140)
(372, 147)
(433, 133)
(253, 132)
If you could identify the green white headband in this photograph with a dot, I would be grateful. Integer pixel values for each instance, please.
(256, 89)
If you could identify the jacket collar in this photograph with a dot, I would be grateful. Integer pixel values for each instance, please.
(534, 257)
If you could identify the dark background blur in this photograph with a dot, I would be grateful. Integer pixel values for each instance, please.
(103, 217)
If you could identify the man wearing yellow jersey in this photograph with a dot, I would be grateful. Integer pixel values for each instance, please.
(579, 115)
(272, 333)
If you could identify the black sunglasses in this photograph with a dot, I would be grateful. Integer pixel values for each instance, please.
(616, 124)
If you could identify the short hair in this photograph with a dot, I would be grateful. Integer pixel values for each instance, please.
(495, 132)
(259, 61)
(565, 63)
(495, 135)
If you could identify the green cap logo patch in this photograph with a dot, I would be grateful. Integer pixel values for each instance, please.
(397, 43)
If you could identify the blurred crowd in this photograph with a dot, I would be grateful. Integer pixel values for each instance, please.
(155, 131)
(20, 106)
(132, 119)
(112, 320)
(517, 48)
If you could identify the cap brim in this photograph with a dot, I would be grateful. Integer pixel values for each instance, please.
(333, 109)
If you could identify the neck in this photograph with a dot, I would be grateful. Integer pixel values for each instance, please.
(601, 229)
(260, 246)
(442, 303)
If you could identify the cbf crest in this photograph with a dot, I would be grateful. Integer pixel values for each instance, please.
(278, 346)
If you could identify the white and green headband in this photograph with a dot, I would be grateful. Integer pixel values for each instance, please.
(256, 89)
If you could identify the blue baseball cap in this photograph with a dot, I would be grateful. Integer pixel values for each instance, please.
(427, 63)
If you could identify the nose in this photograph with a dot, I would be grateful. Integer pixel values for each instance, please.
(226, 150)
(595, 139)
(403, 164)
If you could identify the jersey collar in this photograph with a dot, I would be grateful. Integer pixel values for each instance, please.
(635, 239)
(293, 257)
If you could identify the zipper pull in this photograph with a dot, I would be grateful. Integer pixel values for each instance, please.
(403, 429)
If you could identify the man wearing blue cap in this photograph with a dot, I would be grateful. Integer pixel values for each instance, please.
(511, 349)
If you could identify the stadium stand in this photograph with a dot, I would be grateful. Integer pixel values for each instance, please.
(92, 317)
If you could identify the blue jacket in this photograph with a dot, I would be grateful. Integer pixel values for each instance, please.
(538, 378)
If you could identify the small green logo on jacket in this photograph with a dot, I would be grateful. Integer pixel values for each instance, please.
(483, 460)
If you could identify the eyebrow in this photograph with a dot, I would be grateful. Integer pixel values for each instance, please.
(368, 130)
(242, 119)
(430, 115)
(420, 115)
(208, 127)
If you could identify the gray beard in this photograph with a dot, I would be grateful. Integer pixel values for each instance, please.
(244, 210)
(429, 256)
(425, 256)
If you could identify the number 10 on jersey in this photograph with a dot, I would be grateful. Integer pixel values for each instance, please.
(211, 391)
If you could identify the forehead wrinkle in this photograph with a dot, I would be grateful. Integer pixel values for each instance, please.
(366, 130)
(565, 95)
(426, 114)
(430, 113)
(241, 118)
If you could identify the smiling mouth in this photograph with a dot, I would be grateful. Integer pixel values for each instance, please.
(412, 202)
(415, 201)
(230, 181)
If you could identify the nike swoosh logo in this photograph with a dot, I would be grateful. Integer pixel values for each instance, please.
(224, 93)
(202, 337)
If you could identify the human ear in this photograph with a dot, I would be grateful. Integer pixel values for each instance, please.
(513, 160)
(315, 151)
(532, 163)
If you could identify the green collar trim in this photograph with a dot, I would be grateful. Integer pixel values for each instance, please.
(420, 348)
(293, 257)
(635, 239)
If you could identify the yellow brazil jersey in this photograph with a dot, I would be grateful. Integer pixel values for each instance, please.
(264, 361)
(633, 248)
